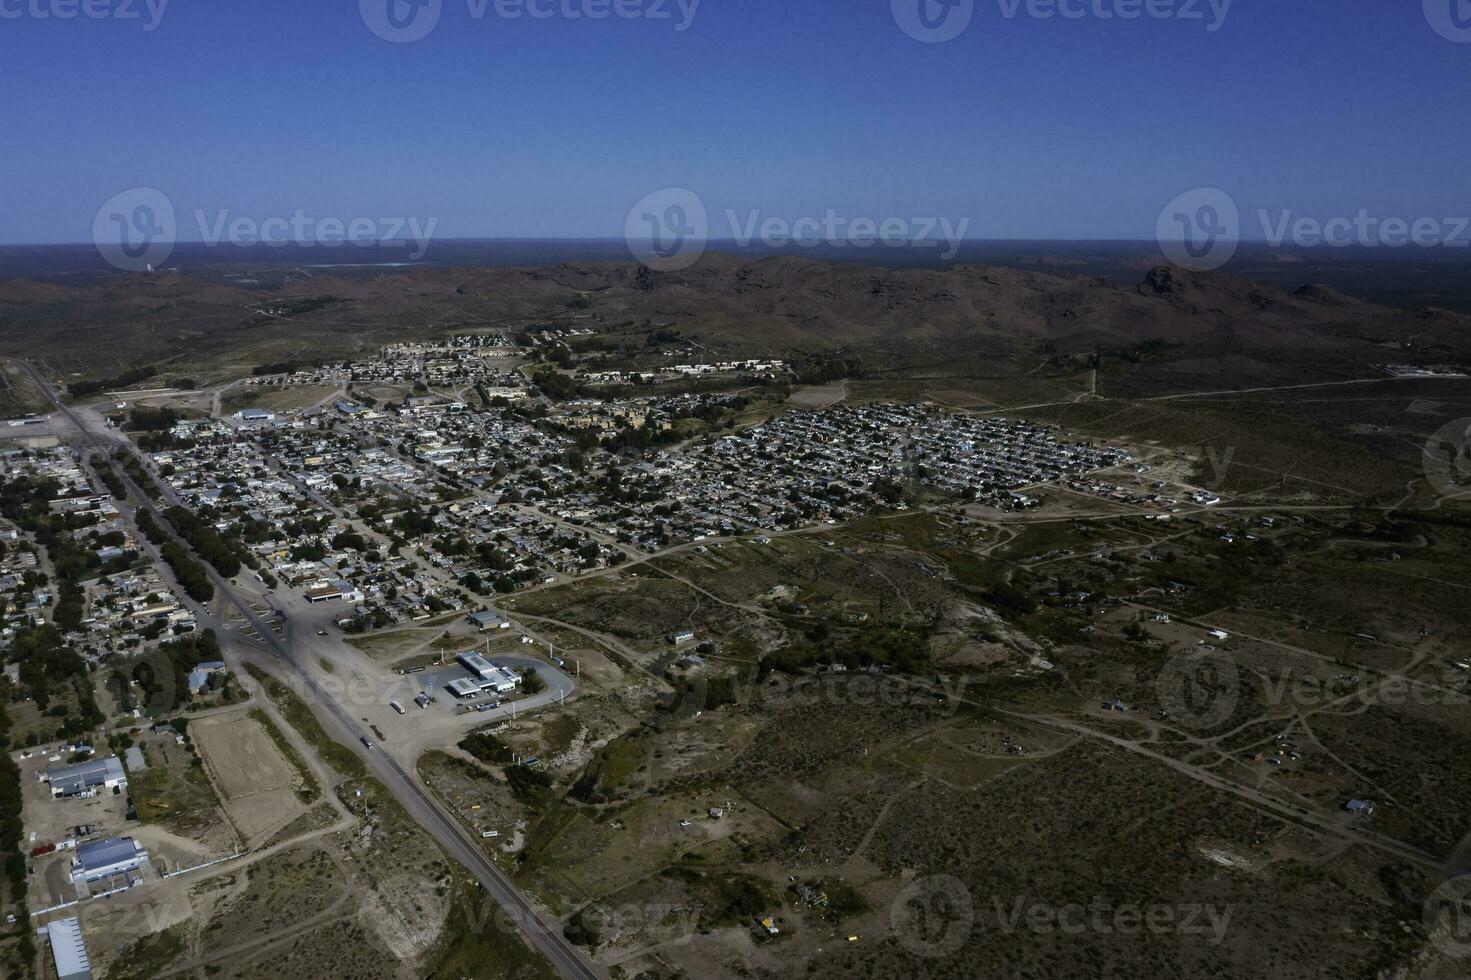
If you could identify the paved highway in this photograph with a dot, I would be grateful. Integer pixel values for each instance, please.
(567, 959)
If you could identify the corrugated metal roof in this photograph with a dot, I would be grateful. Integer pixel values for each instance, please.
(474, 662)
(93, 772)
(68, 949)
(102, 853)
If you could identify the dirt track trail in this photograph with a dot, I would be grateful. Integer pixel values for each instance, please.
(1255, 797)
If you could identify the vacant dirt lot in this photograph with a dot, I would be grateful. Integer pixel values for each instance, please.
(243, 758)
(817, 396)
(254, 777)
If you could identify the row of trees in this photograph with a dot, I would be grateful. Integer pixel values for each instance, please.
(205, 540)
(12, 831)
(81, 389)
(191, 574)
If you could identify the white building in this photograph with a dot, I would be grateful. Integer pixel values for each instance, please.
(255, 416)
(86, 778)
(486, 676)
(105, 858)
(68, 951)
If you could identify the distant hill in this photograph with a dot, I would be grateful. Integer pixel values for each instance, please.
(771, 306)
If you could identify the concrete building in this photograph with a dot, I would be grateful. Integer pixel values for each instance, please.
(464, 687)
(105, 858)
(336, 589)
(491, 677)
(86, 777)
(487, 620)
(68, 951)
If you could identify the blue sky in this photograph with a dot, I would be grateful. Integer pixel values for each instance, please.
(1030, 128)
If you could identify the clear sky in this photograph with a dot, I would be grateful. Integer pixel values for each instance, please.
(1028, 127)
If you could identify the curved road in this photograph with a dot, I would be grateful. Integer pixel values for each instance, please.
(546, 937)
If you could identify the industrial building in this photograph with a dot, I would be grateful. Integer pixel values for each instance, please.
(324, 591)
(105, 858)
(85, 778)
(485, 676)
(255, 416)
(488, 619)
(68, 951)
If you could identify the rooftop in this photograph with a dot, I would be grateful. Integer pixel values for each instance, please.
(67, 948)
(100, 854)
(93, 772)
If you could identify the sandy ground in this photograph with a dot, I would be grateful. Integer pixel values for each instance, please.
(818, 396)
(255, 779)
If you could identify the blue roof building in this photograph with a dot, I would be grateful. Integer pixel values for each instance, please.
(86, 777)
(105, 858)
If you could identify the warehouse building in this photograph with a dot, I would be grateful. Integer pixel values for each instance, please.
(255, 416)
(68, 951)
(487, 619)
(105, 858)
(86, 778)
(483, 676)
(464, 687)
(491, 677)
